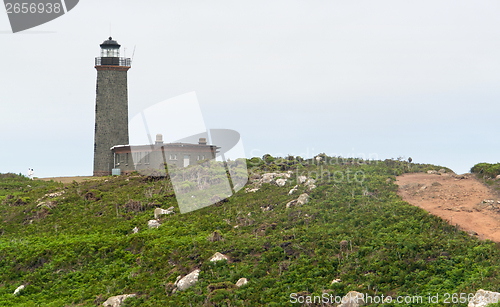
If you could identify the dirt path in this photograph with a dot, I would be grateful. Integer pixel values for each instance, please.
(69, 179)
(459, 199)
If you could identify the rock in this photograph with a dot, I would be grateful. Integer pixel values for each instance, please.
(241, 282)
(301, 179)
(352, 299)
(431, 172)
(497, 177)
(483, 298)
(442, 171)
(293, 190)
(268, 177)
(18, 290)
(303, 199)
(153, 224)
(188, 281)
(116, 301)
(55, 194)
(336, 281)
(218, 257)
(160, 211)
(281, 182)
(310, 184)
(291, 203)
(248, 190)
(135, 230)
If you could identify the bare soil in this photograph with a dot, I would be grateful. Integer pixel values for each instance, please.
(461, 200)
(69, 179)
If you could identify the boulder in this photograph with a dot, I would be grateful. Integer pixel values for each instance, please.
(352, 299)
(218, 257)
(268, 177)
(153, 224)
(281, 182)
(303, 199)
(291, 203)
(301, 179)
(187, 281)
(293, 190)
(116, 301)
(483, 298)
(247, 190)
(135, 230)
(431, 172)
(241, 282)
(497, 177)
(18, 290)
(336, 281)
(442, 171)
(160, 211)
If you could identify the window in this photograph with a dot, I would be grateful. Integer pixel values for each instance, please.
(173, 157)
(117, 159)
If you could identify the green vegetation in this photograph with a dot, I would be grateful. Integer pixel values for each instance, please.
(486, 170)
(76, 247)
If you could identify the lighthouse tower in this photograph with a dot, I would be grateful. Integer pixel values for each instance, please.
(111, 106)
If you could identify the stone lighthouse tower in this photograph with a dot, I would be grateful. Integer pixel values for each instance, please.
(111, 106)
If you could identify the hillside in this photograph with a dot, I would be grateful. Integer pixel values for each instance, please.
(73, 244)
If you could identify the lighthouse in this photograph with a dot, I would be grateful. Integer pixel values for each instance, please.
(111, 105)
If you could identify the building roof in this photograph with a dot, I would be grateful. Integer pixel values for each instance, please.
(110, 43)
(175, 145)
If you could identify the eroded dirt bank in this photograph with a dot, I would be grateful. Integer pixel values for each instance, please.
(459, 199)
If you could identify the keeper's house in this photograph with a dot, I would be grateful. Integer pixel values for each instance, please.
(129, 158)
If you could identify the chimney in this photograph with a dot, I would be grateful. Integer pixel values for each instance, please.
(202, 141)
(159, 139)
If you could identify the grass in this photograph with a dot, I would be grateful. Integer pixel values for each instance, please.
(80, 249)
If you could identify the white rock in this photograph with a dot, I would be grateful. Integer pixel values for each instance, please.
(218, 257)
(268, 177)
(241, 282)
(281, 182)
(187, 281)
(293, 190)
(116, 301)
(291, 203)
(18, 290)
(303, 199)
(483, 298)
(160, 211)
(335, 281)
(135, 230)
(55, 194)
(352, 299)
(301, 179)
(153, 224)
(431, 172)
(251, 190)
(497, 177)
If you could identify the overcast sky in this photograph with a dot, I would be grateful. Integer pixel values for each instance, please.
(350, 78)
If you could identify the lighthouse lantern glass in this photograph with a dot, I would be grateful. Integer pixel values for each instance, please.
(110, 52)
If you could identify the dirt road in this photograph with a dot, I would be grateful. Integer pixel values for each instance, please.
(69, 179)
(459, 199)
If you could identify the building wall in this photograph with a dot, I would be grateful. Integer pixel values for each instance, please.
(127, 160)
(111, 116)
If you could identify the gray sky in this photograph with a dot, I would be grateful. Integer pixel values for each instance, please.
(350, 78)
